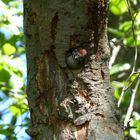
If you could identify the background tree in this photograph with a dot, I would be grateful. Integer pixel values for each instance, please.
(67, 102)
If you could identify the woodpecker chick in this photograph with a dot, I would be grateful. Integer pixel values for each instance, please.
(75, 58)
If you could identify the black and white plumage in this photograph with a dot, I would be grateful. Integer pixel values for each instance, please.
(75, 58)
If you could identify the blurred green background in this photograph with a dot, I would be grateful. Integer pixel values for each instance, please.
(124, 42)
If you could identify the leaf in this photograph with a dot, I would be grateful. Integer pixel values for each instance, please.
(124, 27)
(6, 1)
(115, 32)
(15, 110)
(15, 81)
(118, 7)
(4, 132)
(1, 99)
(8, 49)
(4, 74)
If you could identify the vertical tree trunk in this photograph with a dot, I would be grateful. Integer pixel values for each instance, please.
(69, 104)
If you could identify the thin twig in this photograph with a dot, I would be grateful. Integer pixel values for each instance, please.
(136, 50)
(115, 52)
(125, 88)
(133, 32)
(130, 108)
(130, 85)
(16, 133)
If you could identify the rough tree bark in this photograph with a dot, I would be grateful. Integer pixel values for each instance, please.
(69, 104)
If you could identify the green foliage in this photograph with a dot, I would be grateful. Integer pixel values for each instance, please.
(20, 105)
(8, 49)
(12, 68)
(124, 34)
(123, 22)
(118, 7)
(6, 1)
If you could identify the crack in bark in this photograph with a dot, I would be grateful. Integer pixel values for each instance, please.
(54, 25)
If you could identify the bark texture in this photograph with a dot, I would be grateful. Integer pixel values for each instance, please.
(69, 104)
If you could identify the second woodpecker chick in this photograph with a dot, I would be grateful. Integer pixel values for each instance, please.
(75, 58)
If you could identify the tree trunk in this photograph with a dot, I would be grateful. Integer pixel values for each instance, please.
(68, 104)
